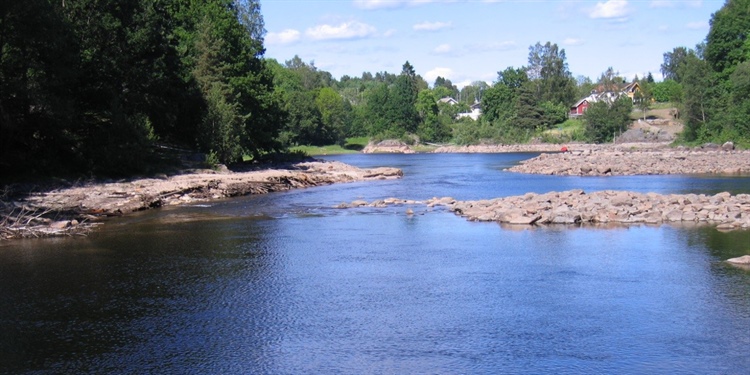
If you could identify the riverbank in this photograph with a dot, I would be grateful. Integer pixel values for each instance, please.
(726, 211)
(75, 210)
(587, 161)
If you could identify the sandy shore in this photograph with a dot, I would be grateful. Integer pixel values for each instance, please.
(75, 210)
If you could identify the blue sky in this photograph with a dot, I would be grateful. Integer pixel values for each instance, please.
(467, 41)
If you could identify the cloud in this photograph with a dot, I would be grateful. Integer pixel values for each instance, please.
(438, 72)
(612, 9)
(287, 36)
(393, 4)
(700, 25)
(378, 4)
(474, 48)
(443, 49)
(431, 26)
(572, 42)
(346, 30)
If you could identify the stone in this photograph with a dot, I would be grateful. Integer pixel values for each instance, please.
(745, 259)
(59, 224)
(728, 146)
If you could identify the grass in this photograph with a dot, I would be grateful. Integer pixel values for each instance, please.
(352, 146)
(570, 130)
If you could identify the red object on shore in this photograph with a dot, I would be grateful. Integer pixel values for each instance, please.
(564, 149)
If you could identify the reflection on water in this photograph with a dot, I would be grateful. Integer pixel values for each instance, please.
(285, 284)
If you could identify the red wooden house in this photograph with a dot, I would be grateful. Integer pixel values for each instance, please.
(580, 107)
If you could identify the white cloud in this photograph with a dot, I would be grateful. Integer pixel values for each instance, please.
(389, 33)
(287, 36)
(378, 4)
(392, 4)
(572, 42)
(431, 26)
(611, 9)
(438, 72)
(346, 30)
(697, 25)
(443, 48)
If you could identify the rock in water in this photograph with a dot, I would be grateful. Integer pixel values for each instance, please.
(745, 260)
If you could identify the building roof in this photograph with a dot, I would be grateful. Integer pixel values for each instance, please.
(448, 100)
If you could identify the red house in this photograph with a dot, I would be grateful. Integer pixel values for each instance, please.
(579, 108)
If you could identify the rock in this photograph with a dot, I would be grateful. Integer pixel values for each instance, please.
(745, 259)
(728, 146)
(59, 224)
(725, 227)
(358, 203)
(603, 169)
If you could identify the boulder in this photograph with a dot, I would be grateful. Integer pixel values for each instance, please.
(59, 224)
(728, 146)
(745, 259)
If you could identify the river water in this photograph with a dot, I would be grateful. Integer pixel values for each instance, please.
(286, 284)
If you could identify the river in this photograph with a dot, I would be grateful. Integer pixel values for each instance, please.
(286, 284)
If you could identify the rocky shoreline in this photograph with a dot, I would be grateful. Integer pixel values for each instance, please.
(609, 162)
(725, 211)
(75, 210)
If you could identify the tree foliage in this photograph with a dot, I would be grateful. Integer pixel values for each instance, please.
(88, 86)
(673, 62)
(603, 121)
(714, 79)
(548, 69)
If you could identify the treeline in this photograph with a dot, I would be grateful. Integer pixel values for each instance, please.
(91, 86)
(522, 103)
(88, 86)
(712, 81)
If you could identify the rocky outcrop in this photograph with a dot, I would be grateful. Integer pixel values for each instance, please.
(550, 147)
(490, 149)
(83, 204)
(388, 146)
(603, 162)
(726, 211)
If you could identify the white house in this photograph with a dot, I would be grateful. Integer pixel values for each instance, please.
(475, 109)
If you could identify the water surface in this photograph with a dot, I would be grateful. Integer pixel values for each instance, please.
(286, 284)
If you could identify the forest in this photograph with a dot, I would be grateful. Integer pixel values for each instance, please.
(98, 87)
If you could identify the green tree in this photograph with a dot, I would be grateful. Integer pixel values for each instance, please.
(698, 81)
(548, 69)
(603, 121)
(401, 110)
(430, 128)
(667, 91)
(498, 104)
(726, 41)
(333, 113)
(673, 62)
